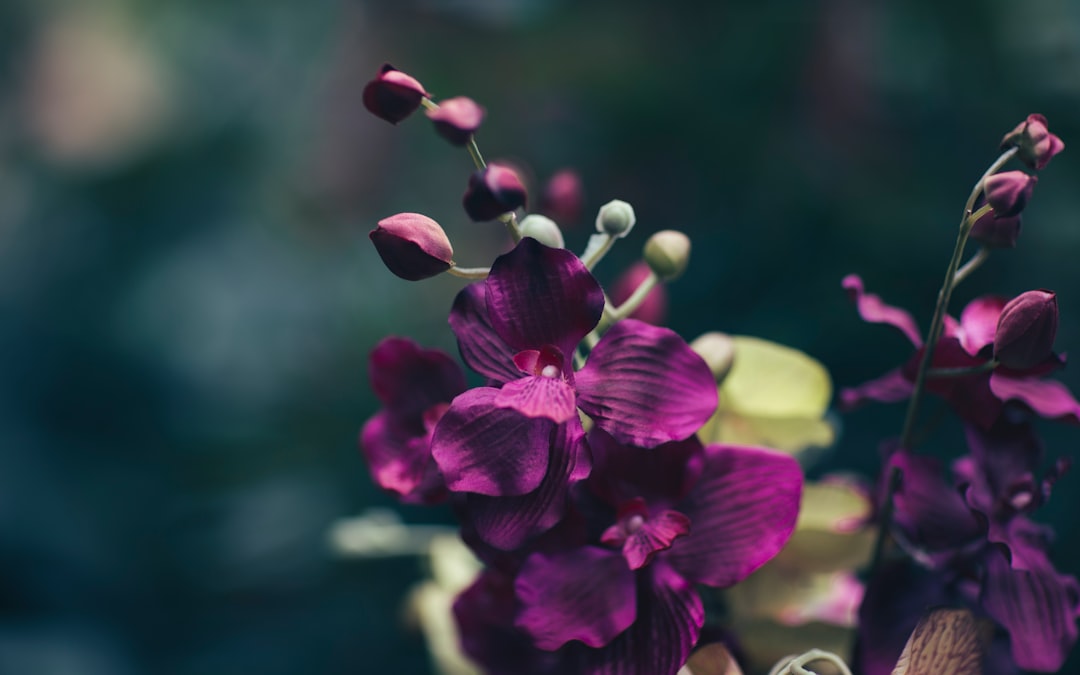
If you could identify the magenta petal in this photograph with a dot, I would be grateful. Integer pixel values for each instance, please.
(490, 450)
(742, 511)
(508, 522)
(409, 379)
(645, 386)
(1048, 398)
(889, 388)
(931, 513)
(978, 322)
(873, 310)
(669, 620)
(661, 476)
(655, 535)
(584, 594)
(481, 347)
(539, 296)
(398, 462)
(1038, 607)
(539, 396)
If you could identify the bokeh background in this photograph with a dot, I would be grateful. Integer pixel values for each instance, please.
(188, 295)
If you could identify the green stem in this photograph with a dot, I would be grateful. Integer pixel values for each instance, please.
(934, 373)
(470, 273)
(981, 256)
(599, 252)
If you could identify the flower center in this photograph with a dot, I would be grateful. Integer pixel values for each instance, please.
(550, 371)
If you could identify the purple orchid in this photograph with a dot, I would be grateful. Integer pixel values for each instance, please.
(980, 549)
(681, 514)
(415, 386)
(521, 439)
(979, 397)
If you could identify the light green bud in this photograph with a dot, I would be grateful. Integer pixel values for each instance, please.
(718, 350)
(542, 229)
(668, 252)
(616, 218)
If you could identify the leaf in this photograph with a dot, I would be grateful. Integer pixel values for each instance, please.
(945, 641)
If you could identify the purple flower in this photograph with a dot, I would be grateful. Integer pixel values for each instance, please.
(415, 386)
(492, 191)
(682, 515)
(393, 95)
(457, 119)
(967, 343)
(1008, 192)
(563, 198)
(1026, 330)
(521, 438)
(1037, 145)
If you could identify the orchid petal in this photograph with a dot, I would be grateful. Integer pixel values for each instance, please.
(398, 461)
(645, 386)
(655, 535)
(669, 620)
(889, 388)
(661, 476)
(1048, 398)
(489, 450)
(508, 522)
(743, 510)
(931, 513)
(409, 380)
(978, 322)
(539, 296)
(480, 346)
(539, 396)
(584, 594)
(873, 310)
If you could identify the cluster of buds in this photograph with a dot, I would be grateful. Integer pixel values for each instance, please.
(969, 541)
(576, 470)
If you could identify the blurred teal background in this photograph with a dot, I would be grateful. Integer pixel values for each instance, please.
(188, 295)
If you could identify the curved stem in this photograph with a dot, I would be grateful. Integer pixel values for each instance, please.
(961, 372)
(981, 256)
(593, 256)
(470, 273)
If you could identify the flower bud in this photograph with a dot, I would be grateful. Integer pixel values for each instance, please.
(1035, 142)
(667, 252)
(718, 350)
(616, 218)
(1008, 192)
(456, 119)
(995, 231)
(493, 191)
(542, 229)
(393, 95)
(1026, 330)
(653, 309)
(413, 246)
(563, 198)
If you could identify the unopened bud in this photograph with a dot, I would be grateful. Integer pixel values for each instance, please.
(615, 218)
(653, 309)
(412, 246)
(542, 229)
(493, 191)
(1008, 192)
(668, 252)
(1035, 142)
(718, 350)
(457, 119)
(1026, 330)
(393, 95)
(563, 198)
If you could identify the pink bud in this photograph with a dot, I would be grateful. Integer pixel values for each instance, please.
(1035, 142)
(563, 199)
(1008, 192)
(393, 95)
(996, 232)
(457, 119)
(413, 246)
(493, 191)
(1026, 330)
(654, 308)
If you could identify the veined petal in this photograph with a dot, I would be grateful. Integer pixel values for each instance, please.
(539, 396)
(398, 461)
(978, 322)
(539, 296)
(655, 534)
(669, 620)
(409, 380)
(873, 310)
(1038, 607)
(742, 511)
(584, 594)
(489, 450)
(931, 513)
(480, 346)
(508, 522)
(661, 476)
(1048, 398)
(645, 386)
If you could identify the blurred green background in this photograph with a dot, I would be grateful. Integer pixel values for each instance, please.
(188, 295)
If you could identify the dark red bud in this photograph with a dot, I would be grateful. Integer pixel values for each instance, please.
(1026, 330)
(1008, 192)
(493, 191)
(413, 246)
(457, 119)
(564, 198)
(393, 95)
(1035, 142)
